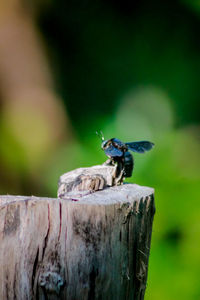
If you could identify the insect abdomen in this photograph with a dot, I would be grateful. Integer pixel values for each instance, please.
(128, 164)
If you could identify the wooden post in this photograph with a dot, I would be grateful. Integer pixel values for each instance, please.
(95, 248)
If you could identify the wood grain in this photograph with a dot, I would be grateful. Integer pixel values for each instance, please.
(95, 248)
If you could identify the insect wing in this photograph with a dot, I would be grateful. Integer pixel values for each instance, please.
(111, 151)
(140, 147)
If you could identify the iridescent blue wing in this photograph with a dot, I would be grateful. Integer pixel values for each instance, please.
(140, 147)
(112, 151)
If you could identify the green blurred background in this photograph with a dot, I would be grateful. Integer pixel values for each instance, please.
(128, 68)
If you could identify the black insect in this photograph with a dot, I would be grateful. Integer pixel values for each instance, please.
(118, 152)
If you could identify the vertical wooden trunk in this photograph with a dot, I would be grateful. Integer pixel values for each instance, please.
(95, 248)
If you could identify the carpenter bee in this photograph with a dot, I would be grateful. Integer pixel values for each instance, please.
(118, 152)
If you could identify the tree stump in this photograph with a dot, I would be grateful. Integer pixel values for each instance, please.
(95, 248)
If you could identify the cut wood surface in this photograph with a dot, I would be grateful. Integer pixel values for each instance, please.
(95, 248)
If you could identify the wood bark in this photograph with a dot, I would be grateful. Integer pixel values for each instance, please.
(94, 248)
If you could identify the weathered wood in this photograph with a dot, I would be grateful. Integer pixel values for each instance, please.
(82, 181)
(95, 248)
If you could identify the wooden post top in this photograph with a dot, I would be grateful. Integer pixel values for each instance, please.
(111, 195)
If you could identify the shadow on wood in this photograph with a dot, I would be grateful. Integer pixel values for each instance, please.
(95, 248)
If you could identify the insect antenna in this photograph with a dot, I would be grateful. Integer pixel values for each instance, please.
(100, 135)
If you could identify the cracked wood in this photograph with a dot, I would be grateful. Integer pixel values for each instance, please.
(95, 248)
